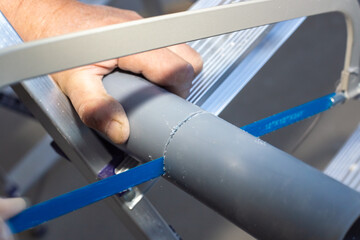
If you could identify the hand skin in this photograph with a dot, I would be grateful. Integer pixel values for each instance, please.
(173, 67)
(8, 208)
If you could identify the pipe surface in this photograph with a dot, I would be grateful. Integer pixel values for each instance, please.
(261, 189)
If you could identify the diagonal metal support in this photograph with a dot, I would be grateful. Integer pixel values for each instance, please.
(82, 146)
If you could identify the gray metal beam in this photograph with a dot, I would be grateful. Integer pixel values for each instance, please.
(86, 152)
(263, 190)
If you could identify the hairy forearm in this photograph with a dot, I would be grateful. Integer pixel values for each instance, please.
(34, 19)
(10, 7)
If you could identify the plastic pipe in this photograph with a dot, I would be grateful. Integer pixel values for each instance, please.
(261, 189)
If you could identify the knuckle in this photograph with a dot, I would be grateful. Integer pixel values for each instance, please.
(132, 15)
(89, 113)
(188, 73)
(198, 64)
(177, 76)
(97, 112)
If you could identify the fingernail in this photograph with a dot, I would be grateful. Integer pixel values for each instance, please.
(17, 204)
(27, 201)
(117, 132)
(11, 206)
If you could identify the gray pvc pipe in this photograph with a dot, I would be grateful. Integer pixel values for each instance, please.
(263, 190)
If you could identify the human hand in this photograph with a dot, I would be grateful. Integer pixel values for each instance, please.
(8, 208)
(173, 68)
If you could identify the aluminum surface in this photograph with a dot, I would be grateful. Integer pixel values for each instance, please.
(231, 60)
(345, 166)
(227, 86)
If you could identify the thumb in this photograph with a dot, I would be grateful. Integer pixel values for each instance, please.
(11, 206)
(8, 208)
(94, 106)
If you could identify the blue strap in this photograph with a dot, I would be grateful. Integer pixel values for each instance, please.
(84, 196)
(288, 117)
(92, 193)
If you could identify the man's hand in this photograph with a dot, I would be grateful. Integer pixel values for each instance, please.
(8, 208)
(173, 68)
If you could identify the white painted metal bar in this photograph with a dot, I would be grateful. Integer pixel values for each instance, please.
(60, 53)
(226, 54)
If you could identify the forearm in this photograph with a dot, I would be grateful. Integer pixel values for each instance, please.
(34, 19)
(173, 68)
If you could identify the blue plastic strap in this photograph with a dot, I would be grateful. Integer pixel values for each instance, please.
(84, 196)
(288, 117)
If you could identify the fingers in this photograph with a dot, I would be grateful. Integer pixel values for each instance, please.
(190, 55)
(94, 106)
(162, 67)
(173, 68)
(11, 206)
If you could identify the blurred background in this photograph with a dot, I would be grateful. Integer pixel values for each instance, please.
(306, 67)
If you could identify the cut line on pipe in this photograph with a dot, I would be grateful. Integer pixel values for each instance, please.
(177, 127)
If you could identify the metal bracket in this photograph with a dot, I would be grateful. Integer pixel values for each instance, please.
(350, 82)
